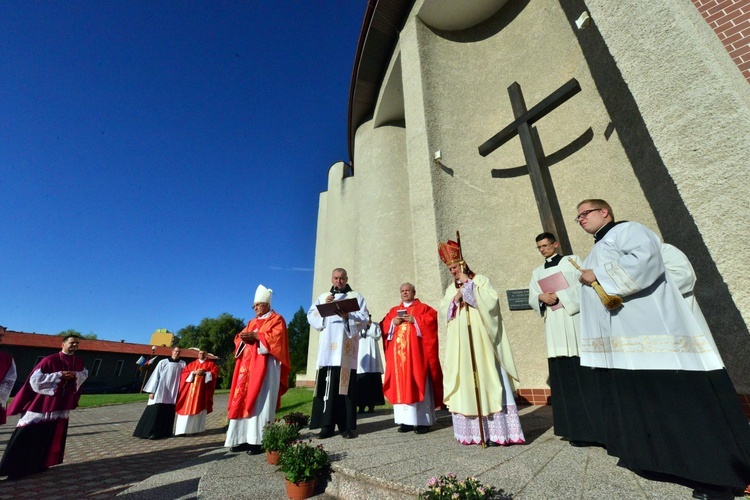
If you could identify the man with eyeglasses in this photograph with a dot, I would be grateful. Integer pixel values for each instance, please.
(670, 410)
(554, 293)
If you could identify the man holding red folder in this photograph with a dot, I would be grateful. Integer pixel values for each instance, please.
(554, 293)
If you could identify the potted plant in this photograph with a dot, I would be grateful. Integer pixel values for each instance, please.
(297, 418)
(302, 462)
(276, 436)
(449, 487)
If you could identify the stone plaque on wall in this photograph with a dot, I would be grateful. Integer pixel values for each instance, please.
(518, 300)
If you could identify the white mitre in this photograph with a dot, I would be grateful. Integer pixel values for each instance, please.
(263, 294)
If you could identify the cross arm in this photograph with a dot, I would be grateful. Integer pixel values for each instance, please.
(546, 106)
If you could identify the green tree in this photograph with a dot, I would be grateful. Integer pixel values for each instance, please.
(70, 331)
(298, 331)
(215, 335)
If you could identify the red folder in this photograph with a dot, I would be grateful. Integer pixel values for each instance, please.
(554, 283)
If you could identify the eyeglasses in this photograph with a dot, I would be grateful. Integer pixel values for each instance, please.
(539, 247)
(584, 214)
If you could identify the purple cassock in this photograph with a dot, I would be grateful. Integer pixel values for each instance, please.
(44, 402)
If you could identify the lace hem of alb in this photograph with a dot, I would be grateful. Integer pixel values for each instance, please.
(30, 417)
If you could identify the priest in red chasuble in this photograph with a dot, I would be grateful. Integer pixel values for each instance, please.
(261, 374)
(195, 399)
(413, 378)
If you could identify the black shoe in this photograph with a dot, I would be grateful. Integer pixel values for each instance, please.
(492, 444)
(713, 493)
(239, 448)
(422, 429)
(348, 434)
(153, 438)
(325, 433)
(405, 428)
(255, 449)
(582, 444)
(361, 409)
(372, 409)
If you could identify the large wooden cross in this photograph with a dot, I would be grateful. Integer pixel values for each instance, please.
(541, 181)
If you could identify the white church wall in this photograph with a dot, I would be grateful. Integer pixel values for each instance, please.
(466, 75)
(657, 130)
(696, 105)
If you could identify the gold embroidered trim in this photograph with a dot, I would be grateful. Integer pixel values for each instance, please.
(647, 343)
(621, 278)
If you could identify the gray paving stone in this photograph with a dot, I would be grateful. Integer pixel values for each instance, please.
(103, 460)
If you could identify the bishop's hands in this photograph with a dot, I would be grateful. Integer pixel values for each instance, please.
(406, 318)
(249, 337)
(68, 375)
(199, 372)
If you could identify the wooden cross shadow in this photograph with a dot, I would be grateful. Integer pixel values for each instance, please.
(541, 181)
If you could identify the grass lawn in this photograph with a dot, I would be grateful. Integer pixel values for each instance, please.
(93, 400)
(297, 399)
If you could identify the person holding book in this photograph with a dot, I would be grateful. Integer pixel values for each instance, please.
(340, 315)
(261, 375)
(554, 293)
(413, 377)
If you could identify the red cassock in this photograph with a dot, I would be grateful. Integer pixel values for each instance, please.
(408, 358)
(250, 366)
(198, 395)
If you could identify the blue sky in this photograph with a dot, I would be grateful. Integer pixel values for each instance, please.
(160, 159)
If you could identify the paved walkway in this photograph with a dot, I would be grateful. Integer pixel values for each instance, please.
(103, 460)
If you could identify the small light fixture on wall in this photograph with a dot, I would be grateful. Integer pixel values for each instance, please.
(438, 157)
(583, 21)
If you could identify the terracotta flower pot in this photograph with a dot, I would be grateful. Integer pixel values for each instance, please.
(272, 457)
(301, 490)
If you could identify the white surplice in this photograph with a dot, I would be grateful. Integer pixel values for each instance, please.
(654, 329)
(561, 326)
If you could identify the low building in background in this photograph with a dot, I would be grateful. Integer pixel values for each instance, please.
(113, 366)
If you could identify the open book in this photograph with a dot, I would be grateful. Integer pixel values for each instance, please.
(331, 308)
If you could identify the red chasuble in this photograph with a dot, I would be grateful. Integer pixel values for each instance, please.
(408, 358)
(196, 396)
(250, 366)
